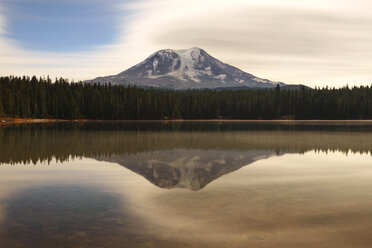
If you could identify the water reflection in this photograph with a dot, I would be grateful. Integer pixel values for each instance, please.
(67, 215)
(302, 188)
(32, 143)
(174, 157)
(182, 168)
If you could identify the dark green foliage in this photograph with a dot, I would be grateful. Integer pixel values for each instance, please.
(24, 97)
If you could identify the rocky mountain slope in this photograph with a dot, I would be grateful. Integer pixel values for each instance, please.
(186, 69)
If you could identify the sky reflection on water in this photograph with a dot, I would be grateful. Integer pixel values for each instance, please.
(237, 192)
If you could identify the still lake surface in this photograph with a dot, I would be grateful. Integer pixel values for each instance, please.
(193, 184)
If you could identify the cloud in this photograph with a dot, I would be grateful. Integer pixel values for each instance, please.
(315, 43)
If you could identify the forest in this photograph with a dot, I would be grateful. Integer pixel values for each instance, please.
(32, 97)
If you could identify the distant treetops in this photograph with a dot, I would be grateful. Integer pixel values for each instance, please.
(25, 97)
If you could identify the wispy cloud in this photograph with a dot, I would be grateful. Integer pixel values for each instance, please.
(315, 43)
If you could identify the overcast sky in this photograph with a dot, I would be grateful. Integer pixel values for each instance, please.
(317, 43)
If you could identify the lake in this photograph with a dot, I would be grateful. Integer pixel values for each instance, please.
(186, 184)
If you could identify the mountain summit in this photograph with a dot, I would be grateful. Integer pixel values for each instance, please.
(183, 69)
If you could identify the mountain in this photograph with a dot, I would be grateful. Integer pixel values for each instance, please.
(186, 69)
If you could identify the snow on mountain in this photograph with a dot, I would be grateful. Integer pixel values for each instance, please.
(183, 69)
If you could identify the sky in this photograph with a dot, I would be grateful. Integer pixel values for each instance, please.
(316, 43)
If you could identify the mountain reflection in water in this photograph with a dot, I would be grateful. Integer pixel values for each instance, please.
(72, 185)
(174, 157)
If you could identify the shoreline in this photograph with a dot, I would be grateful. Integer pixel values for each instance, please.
(10, 121)
(5, 121)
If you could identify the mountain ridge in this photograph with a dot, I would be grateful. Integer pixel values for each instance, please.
(190, 68)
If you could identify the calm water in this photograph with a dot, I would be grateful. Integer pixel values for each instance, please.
(185, 185)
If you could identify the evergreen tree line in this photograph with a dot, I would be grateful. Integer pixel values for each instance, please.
(25, 97)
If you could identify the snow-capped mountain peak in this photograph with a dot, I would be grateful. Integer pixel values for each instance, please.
(189, 68)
